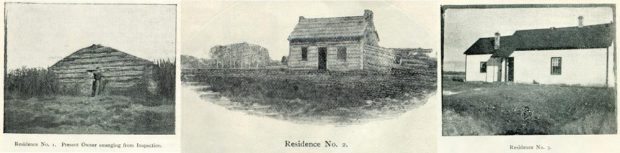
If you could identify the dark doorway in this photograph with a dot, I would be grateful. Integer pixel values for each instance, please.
(322, 58)
(510, 69)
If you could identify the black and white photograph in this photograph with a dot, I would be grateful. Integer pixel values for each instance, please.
(336, 67)
(89, 68)
(272, 75)
(528, 70)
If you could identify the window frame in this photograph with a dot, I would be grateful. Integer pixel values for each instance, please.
(304, 53)
(483, 69)
(339, 55)
(559, 67)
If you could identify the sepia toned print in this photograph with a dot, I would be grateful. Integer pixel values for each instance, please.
(333, 71)
(89, 69)
(522, 75)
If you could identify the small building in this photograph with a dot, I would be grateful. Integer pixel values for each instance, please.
(338, 44)
(121, 72)
(239, 56)
(577, 55)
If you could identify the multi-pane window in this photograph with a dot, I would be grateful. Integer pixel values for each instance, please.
(342, 53)
(556, 65)
(304, 53)
(483, 67)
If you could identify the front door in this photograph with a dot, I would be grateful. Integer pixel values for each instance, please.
(510, 69)
(322, 58)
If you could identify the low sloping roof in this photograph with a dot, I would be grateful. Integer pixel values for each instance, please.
(593, 36)
(485, 45)
(326, 28)
(348, 27)
(104, 51)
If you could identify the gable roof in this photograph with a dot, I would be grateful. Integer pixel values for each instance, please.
(349, 27)
(486, 45)
(593, 36)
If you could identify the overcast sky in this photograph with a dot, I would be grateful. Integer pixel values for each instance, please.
(464, 26)
(39, 35)
(399, 24)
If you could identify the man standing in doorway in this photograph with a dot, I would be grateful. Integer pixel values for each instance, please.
(97, 82)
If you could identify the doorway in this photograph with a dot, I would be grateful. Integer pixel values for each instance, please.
(322, 58)
(510, 66)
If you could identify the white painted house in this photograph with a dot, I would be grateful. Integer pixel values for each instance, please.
(579, 55)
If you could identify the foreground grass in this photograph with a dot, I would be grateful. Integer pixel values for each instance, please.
(88, 115)
(340, 98)
(473, 108)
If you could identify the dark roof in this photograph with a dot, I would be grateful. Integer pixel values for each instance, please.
(593, 36)
(349, 27)
(485, 45)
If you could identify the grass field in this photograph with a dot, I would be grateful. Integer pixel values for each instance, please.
(88, 115)
(36, 102)
(335, 97)
(476, 108)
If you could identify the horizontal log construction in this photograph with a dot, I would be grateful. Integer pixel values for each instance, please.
(119, 70)
(379, 58)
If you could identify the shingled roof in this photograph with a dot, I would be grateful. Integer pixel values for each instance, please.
(593, 36)
(349, 27)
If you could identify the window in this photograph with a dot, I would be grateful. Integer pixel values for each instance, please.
(556, 65)
(304, 53)
(342, 53)
(483, 67)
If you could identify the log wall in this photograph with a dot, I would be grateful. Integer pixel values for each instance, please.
(121, 71)
(379, 58)
(353, 59)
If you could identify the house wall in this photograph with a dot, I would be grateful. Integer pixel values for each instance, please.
(611, 73)
(579, 67)
(378, 58)
(353, 59)
(121, 71)
(472, 71)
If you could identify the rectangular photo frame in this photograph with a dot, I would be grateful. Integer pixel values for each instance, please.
(90, 76)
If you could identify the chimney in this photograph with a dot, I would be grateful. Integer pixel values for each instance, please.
(580, 21)
(496, 43)
(368, 15)
(301, 17)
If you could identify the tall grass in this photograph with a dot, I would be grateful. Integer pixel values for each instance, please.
(340, 97)
(24, 83)
(520, 109)
(163, 81)
(165, 77)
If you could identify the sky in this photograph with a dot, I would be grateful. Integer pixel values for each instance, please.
(399, 24)
(464, 26)
(39, 35)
